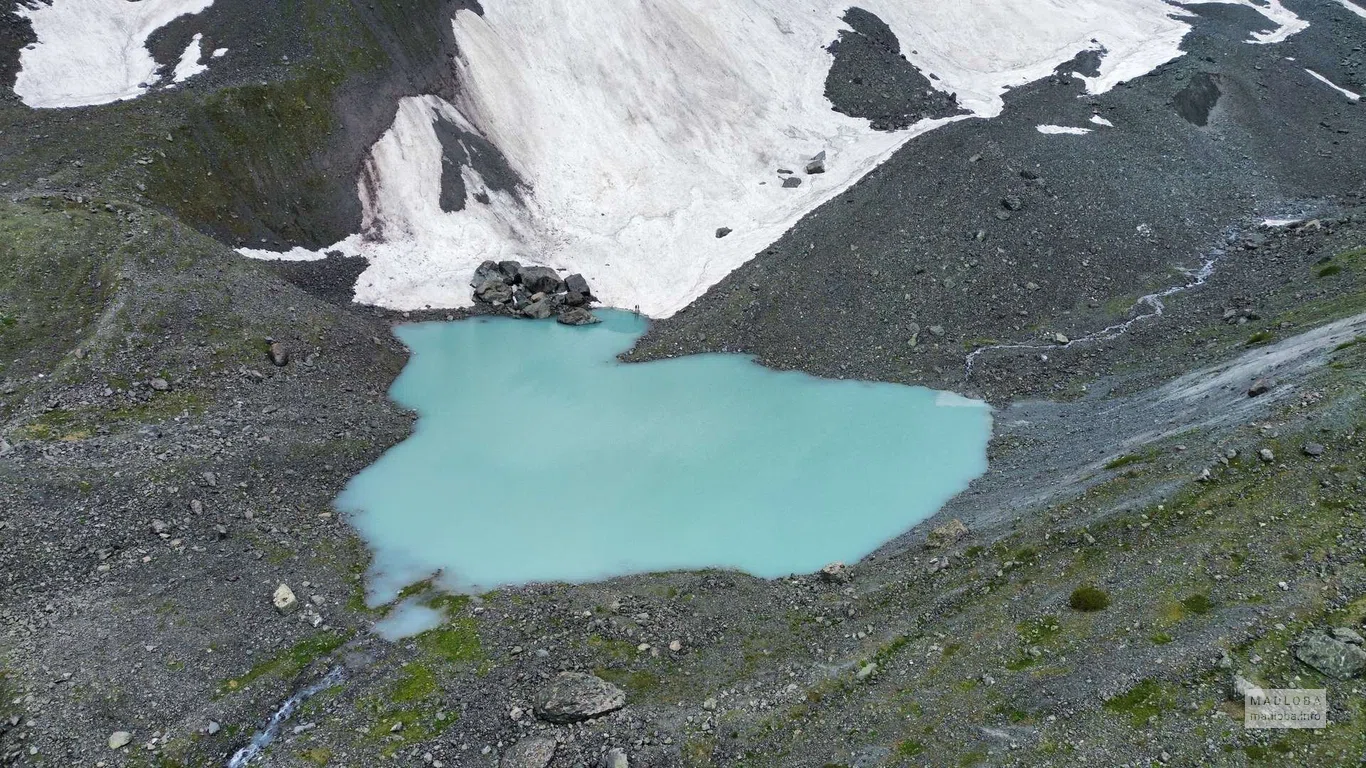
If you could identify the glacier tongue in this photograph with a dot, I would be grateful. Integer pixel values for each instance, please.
(641, 127)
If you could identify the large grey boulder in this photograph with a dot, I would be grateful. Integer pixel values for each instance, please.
(539, 309)
(577, 284)
(486, 271)
(1331, 656)
(531, 752)
(493, 291)
(540, 279)
(574, 696)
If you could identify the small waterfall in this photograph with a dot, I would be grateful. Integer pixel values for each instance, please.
(264, 737)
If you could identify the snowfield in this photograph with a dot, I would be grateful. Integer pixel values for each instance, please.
(640, 128)
(93, 51)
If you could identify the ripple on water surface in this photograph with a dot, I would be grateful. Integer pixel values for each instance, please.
(537, 456)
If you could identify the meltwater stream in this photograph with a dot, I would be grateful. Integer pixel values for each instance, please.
(537, 456)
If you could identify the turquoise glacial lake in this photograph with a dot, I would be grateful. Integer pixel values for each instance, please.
(538, 457)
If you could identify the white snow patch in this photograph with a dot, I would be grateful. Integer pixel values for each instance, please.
(220, 53)
(1354, 8)
(189, 65)
(1056, 130)
(1349, 94)
(1287, 23)
(1275, 223)
(1098, 120)
(92, 51)
(642, 128)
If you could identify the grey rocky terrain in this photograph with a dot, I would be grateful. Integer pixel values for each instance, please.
(1172, 513)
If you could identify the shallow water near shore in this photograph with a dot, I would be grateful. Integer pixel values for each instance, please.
(539, 457)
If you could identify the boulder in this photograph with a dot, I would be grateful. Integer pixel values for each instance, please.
(284, 599)
(947, 534)
(511, 269)
(279, 354)
(575, 696)
(577, 316)
(577, 284)
(836, 573)
(161, 385)
(531, 752)
(1259, 387)
(494, 291)
(540, 279)
(1331, 656)
(538, 310)
(120, 739)
(489, 270)
(816, 164)
(1313, 449)
(791, 182)
(722, 232)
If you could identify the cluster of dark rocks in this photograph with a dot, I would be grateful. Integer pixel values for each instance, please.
(534, 292)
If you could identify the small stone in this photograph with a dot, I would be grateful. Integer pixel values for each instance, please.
(836, 573)
(816, 164)
(531, 752)
(1240, 686)
(159, 527)
(1061, 338)
(867, 671)
(722, 232)
(120, 739)
(396, 727)
(1259, 387)
(791, 182)
(675, 646)
(213, 728)
(1012, 203)
(279, 355)
(937, 330)
(1267, 455)
(196, 507)
(160, 384)
(284, 599)
(709, 704)
(1313, 449)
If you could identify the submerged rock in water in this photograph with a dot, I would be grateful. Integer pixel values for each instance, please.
(574, 696)
(577, 316)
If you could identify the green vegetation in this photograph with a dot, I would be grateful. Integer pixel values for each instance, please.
(1198, 604)
(1141, 703)
(290, 662)
(1330, 270)
(909, 748)
(1260, 337)
(417, 683)
(456, 642)
(1089, 598)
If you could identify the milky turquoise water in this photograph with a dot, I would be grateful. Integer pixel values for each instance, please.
(538, 457)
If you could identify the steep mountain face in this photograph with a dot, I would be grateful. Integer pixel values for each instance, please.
(1142, 223)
